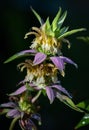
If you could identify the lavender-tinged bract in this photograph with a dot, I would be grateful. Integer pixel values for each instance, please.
(44, 63)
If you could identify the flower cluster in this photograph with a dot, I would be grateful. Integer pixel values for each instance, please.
(22, 109)
(44, 64)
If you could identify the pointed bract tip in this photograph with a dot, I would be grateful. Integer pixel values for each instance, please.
(37, 16)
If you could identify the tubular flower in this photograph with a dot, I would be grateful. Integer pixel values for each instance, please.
(42, 78)
(22, 110)
(41, 74)
(43, 42)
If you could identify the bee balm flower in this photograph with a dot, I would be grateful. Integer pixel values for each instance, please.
(22, 110)
(49, 37)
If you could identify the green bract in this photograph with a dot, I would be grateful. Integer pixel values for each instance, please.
(55, 29)
(84, 105)
(48, 37)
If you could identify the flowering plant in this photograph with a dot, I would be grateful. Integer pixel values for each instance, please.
(44, 63)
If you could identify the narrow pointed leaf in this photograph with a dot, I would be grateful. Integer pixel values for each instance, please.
(48, 29)
(61, 20)
(84, 39)
(71, 32)
(63, 30)
(37, 16)
(39, 58)
(83, 122)
(19, 55)
(67, 101)
(49, 32)
(84, 105)
(3, 111)
(13, 123)
(54, 23)
(47, 24)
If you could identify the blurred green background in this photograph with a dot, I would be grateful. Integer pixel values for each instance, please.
(16, 19)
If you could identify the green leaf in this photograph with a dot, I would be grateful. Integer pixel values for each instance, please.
(63, 30)
(49, 32)
(29, 87)
(48, 29)
(71, 32)
(84, 39)
(3, 111)
(84, 105)
(47, 24)
(13, 123)
(37, 16)
(67, 101)
(55, 21)
(44, 92)
(83, 122)
(19, 55)
(62, 18)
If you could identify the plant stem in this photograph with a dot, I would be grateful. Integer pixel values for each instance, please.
(13, 123)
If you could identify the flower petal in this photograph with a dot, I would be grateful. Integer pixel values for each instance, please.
(27, 124)
(60, 88)
(13, 113)
(36, 116)
(8, 104)
(39, 57)
(50, 93)
(58, 62)
(67, 60)
(19, 91)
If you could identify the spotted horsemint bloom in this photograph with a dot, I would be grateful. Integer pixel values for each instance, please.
(42, 71)
(42, 78)
(18, 108)
(49, 37)
(39, 74)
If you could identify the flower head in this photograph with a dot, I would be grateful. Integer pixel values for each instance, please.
(49, 37)
(23, 110)
(40, 74)
(41, 78)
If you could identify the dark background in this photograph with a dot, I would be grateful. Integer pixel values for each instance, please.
(16, 19)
